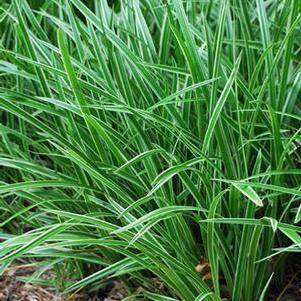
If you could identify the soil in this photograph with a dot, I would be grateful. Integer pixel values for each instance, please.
(12, 289)
(288, 287)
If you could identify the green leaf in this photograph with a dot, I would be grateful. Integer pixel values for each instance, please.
(249, 192)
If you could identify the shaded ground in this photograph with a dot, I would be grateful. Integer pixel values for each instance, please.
(13, 290)
(288, 287)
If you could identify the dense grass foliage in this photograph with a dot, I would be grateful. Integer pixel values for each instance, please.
(138, 136)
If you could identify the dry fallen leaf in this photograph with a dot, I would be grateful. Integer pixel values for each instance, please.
(203, 267)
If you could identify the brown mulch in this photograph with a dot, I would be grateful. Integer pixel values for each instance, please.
(11, 289)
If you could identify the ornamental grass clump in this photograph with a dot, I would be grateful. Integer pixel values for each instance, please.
(152, 139)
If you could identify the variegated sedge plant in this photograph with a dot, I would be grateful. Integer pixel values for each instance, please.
(138, 136)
